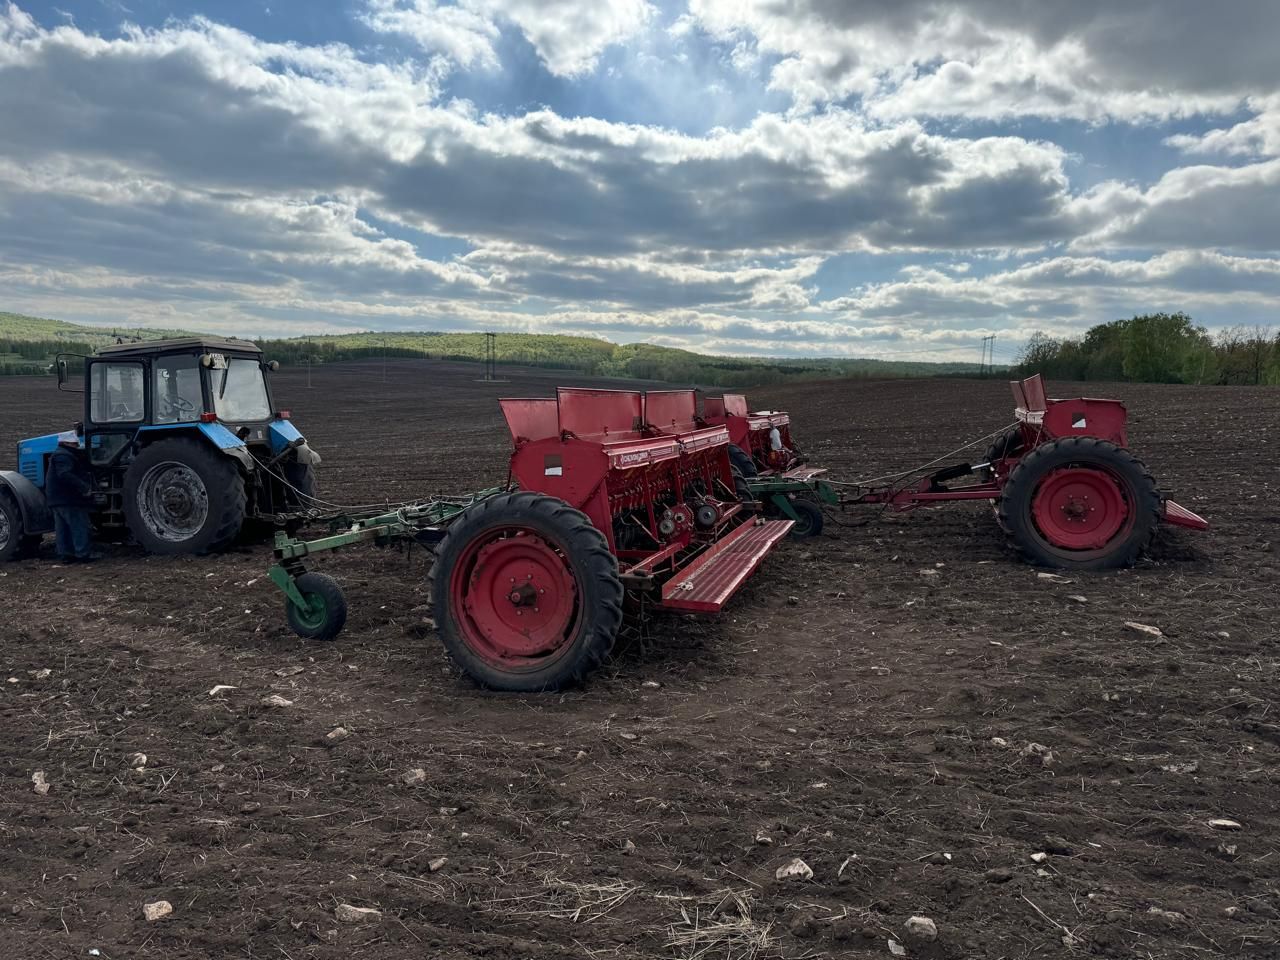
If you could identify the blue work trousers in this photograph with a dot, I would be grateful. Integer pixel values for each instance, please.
(72, 532)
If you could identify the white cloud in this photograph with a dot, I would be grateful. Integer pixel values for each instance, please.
(1235, 208)
(1258, 136)
(569, 35)
(460, 33)
(195, 170)
(1088, 59)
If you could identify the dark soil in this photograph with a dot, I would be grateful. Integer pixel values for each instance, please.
(843, 711)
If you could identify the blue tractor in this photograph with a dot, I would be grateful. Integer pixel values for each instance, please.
(185, 447)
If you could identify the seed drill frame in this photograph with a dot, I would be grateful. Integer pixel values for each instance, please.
(1066, 489)
(616, 494)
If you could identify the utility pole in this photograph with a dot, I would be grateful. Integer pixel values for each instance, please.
(988, 362)
(491, 356)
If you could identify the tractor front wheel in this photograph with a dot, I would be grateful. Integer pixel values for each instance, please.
(526, 593)
(181, 496)
(325, 613)
(1080, 503)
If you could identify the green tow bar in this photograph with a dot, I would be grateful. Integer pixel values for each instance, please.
(314, 603)
(781, 495)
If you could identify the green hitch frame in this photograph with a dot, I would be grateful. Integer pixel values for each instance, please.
(780, 491)
(421, 522)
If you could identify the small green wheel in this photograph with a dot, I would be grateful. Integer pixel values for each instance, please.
(810, 519)
(326, 611)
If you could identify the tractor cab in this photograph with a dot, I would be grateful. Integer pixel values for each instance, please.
(164, 384)
(184, 442)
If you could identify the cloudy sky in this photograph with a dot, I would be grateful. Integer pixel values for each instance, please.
(893, 178)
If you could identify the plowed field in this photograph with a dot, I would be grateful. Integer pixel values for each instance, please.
(865, 705)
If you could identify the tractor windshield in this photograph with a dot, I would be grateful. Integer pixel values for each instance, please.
(240, 392)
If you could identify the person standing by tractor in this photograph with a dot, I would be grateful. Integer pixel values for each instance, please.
(69, 493)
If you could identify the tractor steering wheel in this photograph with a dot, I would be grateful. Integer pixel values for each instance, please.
(178, 404)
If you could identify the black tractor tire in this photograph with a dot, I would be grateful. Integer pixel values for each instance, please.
(13, 541)
(565, 542)
(302, 477)
(326, 612)
(741, 487)
(810, 522)
(208, 472)
(742, 460)
(1137, 490)
(1005, 445)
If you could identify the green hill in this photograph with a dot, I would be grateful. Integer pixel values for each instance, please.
(28, 345)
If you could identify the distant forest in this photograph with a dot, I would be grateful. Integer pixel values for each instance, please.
(28, 345)
(1157, 348)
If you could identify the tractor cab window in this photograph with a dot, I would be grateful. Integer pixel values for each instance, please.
(116, 393)
(240, 392)
(175, 390)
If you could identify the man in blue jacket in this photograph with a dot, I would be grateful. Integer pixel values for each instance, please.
(68, 490)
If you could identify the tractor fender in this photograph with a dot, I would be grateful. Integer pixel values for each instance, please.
(284, 435)
(222, 439)
(36, 515)
(228, 443)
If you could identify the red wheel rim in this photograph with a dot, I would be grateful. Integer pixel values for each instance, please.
(1081, 508)
(515, 598)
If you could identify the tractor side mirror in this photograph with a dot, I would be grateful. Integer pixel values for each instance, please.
(272, 365)
(63, 371)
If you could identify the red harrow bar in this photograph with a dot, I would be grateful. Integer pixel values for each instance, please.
(1066, 489)
(618, 492)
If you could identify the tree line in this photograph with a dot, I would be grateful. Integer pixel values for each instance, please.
(1157, 348)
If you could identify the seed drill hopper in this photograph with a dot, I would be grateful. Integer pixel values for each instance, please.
(618, 498)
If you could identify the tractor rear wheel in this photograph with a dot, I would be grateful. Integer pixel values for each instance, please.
(741, 487)
(12, 540)
(180, 496)
(526, 593)
(742, 460)
(1080, 503)
(302, 477)
(326, 611)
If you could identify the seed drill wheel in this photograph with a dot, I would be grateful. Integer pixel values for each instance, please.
(810, 522)
(1080, 504)
(526, 593)
(1005, 445)
(325, 614)
(742, 460)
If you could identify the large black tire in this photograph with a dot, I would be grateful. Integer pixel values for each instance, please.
(1123, 490)
(181, 496)
(302, 477)
(742, 460)
(326, 611)
(563, 553)
(810, 522)
(12, 539)
(1005, 445)
(741, 487)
